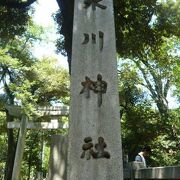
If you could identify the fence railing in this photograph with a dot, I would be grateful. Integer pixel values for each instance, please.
(135, 170)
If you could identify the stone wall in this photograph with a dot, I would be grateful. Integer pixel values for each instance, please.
(135, 171)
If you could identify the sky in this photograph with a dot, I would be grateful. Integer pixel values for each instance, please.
(43, 16)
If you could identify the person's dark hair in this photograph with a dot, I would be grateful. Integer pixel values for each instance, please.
(147, 149)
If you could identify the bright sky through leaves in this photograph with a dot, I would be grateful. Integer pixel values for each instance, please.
(43, 17)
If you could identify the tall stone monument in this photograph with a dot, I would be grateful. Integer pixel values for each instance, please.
(94, 142)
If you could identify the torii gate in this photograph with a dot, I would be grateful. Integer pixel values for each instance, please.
(16, 111)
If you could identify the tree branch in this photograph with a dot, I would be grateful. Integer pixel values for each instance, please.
(166, 88)
(158, 83)
(149, 86)
(67, 12)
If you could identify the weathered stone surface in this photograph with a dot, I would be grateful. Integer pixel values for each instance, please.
(168, 172)
(94, 53)
(136, 170)
(58, 158)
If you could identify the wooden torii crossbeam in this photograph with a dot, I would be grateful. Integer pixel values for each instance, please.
(16, 111)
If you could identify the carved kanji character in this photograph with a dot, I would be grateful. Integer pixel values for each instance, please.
(93, 37)
(94, 3)
(87, 86)
(100, 152)
(87, 148)
(100, 88)
(86, 38)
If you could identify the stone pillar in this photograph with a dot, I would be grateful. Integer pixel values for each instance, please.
(58, 158)
(94, 106)
(20, 148)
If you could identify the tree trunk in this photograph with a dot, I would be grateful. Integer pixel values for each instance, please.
(67, 11)
(29, 164)
(11, 150)
(163, 110)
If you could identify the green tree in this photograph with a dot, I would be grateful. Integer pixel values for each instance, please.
(157, 68)
(144, 23)
(17, 4)
(23, 78)
(129, 92)
(51, 82)
(140, 121)
(147, 32)
(137, 118)
(6, 76)
(13, 23)
(39, 84)
(15, 58)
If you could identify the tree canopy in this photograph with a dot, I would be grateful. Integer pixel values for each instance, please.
(138, 23)
(24, 80)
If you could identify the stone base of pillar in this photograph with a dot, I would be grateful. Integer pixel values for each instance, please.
(58, 158)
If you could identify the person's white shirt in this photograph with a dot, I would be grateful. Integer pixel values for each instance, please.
(142, 159)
